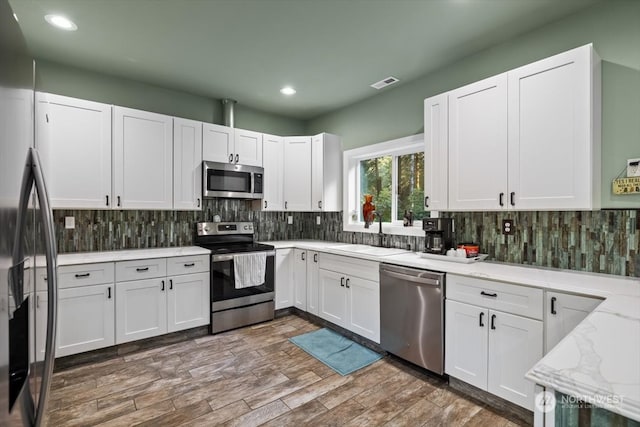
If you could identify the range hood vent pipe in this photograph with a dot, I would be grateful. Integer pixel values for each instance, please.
(228, 107)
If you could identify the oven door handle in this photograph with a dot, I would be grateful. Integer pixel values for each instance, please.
(229, 257)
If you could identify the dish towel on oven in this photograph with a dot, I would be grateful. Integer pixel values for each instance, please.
(249, 269)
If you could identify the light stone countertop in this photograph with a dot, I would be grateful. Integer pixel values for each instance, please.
(76, 258)
(598, 362)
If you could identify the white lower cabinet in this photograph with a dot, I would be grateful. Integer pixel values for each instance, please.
(312, 282)
(349, 301)
(154, 306)
(284, 278)
(563, 313)
(188, 301)
(493, 336)
(492, 350)
(141, 309)
(300, 279)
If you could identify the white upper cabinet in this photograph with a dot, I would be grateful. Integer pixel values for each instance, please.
(247, 147)
(528, 139)
(478, 145)
(326, 173)
(217, 143)
(229, 145)
(554, 132)
(436, 167)
(74, 140)
(273, 163)
(142, 159)
(297, 173)
(187, 164)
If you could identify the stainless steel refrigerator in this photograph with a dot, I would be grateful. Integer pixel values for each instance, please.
(27, 241)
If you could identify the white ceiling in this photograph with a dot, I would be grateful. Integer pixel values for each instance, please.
(329, 50)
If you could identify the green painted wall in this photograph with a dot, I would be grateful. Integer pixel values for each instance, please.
(613, 28)
(79, 83)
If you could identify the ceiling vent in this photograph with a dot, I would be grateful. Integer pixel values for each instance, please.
(385, 82)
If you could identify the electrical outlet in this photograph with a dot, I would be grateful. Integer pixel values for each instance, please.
(508, 227)
(69, 222)
(318, 220)
(290, 219)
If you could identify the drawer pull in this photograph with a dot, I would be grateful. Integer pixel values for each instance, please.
(342, 282)
(37, 301)
(347, 284)
(493, 321)
(481, 318)
(109, 292)
(488, 294)
(501, 199)
(553, 305)
(191, 264)
(142, 269)
(170, 284)
(302, 256)
(162, 286)
(315, 257)
(80, 276)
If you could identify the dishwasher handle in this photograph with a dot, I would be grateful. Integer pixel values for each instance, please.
(408, 278)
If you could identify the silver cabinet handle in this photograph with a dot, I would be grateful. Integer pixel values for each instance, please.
(34, 175)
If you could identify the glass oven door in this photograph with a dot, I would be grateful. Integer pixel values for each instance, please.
(224, 294)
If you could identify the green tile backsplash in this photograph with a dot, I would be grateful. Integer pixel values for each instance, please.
(604, 241)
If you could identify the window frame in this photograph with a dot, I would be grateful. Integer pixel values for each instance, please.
(351, 172)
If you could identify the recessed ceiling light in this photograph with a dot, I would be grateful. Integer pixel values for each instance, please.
(61, 22)
(287, 90)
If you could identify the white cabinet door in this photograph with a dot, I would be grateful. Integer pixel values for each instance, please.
(363, 307)
(466, 343)
(273, 163)
(284, 278)
(317, 173)
(563, 313)
(552, 155)
(85, 319)
(436, 143)
(515, 345)
(297, 173)
(217, 143)
(187, 164)
(143, 165)
(312, 282)
(326, 173)
(188, 301)
(478, 145)
(74, 140)
(247, 147)
(332, 295)
(300, 279)
(141, 309)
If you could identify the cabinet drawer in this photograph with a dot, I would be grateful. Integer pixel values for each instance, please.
(350, 266)
(141, 269)
(516, 299)
(70, 276)
(188, 264)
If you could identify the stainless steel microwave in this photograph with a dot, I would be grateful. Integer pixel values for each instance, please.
(231, 181)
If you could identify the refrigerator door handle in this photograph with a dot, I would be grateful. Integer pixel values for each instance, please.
(34, 176)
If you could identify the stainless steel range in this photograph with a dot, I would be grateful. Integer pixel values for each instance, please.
(233, 306)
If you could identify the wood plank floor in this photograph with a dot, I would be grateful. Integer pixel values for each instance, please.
(254, 376)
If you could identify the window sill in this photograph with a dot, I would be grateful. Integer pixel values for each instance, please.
(386, 229)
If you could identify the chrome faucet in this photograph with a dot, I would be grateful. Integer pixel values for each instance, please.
(380, 233)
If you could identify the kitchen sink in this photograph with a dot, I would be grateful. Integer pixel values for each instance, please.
(368, 250)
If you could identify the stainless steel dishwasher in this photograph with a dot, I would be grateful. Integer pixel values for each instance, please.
(412, 315)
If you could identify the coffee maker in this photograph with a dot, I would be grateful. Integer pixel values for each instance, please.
(438, 235)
